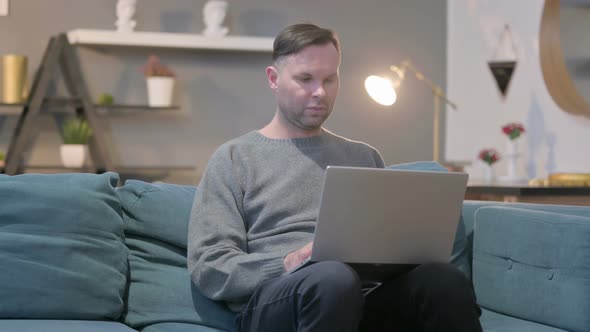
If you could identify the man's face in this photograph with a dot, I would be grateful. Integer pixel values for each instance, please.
(306, 85)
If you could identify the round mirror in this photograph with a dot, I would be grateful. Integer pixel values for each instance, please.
(564, 48)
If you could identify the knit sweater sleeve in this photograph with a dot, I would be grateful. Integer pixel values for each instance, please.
(218, 259)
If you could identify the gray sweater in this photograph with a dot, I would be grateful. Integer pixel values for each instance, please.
(257, 201)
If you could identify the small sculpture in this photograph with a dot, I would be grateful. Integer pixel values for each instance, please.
(213, 15)
(125, 12)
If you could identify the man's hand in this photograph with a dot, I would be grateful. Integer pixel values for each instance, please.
(295, 258)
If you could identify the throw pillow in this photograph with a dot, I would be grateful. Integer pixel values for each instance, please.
(62, 252)
(160, 289)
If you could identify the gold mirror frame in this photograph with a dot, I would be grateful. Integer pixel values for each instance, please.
(555, 73)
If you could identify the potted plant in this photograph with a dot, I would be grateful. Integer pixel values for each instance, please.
(489, 157)
(513, 131)
(76, 135)
(160, 82)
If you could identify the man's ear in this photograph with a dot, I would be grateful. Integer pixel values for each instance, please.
(272, 74)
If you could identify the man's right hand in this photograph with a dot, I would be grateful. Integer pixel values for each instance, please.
(296, 257)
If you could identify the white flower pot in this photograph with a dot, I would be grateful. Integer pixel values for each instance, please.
(73, 155)
(160, 91)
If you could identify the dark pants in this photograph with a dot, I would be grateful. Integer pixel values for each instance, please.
(327, 297)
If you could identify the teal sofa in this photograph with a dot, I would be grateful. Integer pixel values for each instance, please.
(79, 252)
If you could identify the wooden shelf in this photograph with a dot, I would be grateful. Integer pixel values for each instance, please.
(58, 105)
(169, 40)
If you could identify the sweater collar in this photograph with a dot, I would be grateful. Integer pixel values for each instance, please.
(312, 141)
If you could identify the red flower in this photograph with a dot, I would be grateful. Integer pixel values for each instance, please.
(513, 130)
(489, 156)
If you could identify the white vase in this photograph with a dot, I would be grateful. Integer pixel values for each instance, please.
(511, 157)
(160, 91)
(488, 173)
(73, 155)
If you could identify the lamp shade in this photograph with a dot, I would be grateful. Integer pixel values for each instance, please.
(381, 90)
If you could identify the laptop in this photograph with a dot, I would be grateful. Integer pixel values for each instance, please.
(383, 222)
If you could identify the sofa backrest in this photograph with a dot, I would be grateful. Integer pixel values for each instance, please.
(533, 265)
(470, 208)
(160, 290)
(62, 251)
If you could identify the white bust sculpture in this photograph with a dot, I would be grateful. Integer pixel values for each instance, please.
(213, 16)
(125, 12)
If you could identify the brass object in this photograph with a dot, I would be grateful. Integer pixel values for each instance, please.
(569, 179)
(14, 75)
(538, 182)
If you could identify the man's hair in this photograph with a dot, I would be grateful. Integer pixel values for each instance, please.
(296, 37)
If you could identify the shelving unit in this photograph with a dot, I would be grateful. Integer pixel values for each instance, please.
(169, 40)
(65, 105)
(60, 54)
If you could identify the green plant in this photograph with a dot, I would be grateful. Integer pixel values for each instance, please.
(2, 156)
(76, 131)
(106, 99)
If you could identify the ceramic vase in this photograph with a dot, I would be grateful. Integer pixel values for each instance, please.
(73, 155)
(488, 173)
(160, 91)
(511, 156)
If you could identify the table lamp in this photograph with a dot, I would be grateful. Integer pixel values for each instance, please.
(383, 91)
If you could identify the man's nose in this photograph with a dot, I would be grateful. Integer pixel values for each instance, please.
(319, 91)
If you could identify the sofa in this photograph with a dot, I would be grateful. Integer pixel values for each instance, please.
(84, 252)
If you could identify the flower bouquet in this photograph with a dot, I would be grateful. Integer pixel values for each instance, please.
(513, 130)
(489, 156)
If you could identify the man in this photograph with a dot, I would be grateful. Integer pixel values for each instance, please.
(254, 216)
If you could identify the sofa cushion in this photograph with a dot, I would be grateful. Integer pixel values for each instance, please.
(495, 322)
(533, 265)
(461, 249)
(62, 251)
(38, 325)
(179, 327)
(156, 225)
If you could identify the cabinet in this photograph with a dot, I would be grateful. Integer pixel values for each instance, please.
(60, 54)
(524, 193)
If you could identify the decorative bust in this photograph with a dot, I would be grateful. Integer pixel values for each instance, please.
(213, 15)
(125, 12)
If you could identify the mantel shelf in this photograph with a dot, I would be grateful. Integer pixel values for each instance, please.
(169, 40)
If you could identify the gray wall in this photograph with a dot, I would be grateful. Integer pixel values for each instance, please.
(223, 95)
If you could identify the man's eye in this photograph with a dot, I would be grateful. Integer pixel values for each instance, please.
(304, 79)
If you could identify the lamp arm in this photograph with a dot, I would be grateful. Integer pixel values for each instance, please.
(436, 89)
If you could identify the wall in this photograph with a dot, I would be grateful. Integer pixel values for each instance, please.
(554, 139)
(223, 95)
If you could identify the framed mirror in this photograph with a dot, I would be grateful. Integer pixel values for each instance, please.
(564, 47)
